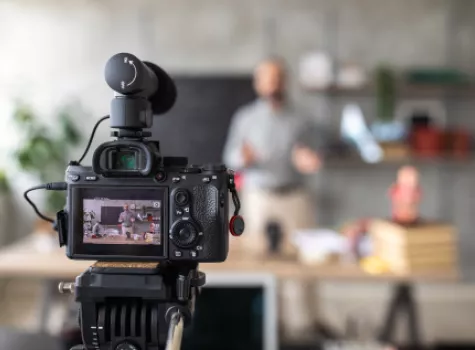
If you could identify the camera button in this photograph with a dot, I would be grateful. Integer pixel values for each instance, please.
(73, 177)
(182, 197)
(178, 254)
(176, 179)
(193, 254)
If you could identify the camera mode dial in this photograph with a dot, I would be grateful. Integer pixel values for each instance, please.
(218, 168)
(191, 169)
(185, 234)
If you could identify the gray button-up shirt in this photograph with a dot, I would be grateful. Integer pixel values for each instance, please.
(272, 135)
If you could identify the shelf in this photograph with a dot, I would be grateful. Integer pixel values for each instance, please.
(344, 162)
(418, 91)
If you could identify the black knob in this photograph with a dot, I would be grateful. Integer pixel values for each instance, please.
(219, 168)
(184, 234)
(182, 197)
(128, 75)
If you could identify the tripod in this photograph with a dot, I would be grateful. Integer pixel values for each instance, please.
(135, 306)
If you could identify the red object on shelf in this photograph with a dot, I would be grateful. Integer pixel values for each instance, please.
(460, 143)
(427, 141)
(238, 180)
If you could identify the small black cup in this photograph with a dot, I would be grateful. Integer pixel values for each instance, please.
(274, 236)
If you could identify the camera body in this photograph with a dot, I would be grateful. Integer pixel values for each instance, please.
(157, 215)
(175, 212)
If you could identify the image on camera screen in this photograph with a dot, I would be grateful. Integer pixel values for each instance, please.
(117, 221)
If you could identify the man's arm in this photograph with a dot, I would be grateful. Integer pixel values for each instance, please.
(238, 152)
(121, 217)
(309, 150)
(233, 148)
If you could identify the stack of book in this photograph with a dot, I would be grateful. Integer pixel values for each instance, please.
(423, 247)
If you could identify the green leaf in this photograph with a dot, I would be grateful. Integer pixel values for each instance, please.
(69, 130)
(23, 114)
(4, 186)
(55, 201)
(45, 151)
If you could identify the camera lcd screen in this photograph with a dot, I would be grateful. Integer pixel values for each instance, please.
(118, 222)
(122, 221)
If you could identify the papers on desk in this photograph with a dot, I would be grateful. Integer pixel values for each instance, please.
(316, 246)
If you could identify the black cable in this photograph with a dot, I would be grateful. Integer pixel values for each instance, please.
(92, 138)
(234, 194)
(53, 186)
(237, 203)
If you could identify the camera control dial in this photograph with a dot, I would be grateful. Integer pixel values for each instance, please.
(184, 234)
(182, 197)
(126, 346)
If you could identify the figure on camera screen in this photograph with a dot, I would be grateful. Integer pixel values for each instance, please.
(117, 221)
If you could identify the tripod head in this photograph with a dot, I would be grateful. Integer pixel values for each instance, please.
(131, 306)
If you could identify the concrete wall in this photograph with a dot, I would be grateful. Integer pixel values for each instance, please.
(53, 51)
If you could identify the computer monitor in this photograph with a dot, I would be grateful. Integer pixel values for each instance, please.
(234, 312)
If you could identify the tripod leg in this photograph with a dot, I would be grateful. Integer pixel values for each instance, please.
(387, 332)
(412, 324)
(175, 332)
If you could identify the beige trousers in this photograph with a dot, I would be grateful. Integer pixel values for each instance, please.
(292, 211)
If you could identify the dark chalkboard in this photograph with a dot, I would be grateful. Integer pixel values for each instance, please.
(197, 125)
(110, 215)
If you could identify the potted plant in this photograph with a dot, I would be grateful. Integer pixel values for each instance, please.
(45, 150)
(386, 128)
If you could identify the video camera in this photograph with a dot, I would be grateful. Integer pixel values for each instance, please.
(147, 218)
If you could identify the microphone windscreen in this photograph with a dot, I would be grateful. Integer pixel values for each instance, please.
(164, 98)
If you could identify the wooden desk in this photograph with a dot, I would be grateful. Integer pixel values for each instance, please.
(25, 259)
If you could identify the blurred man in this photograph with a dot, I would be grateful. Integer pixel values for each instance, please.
(270, 144)
(127, 219)
(266, 142)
